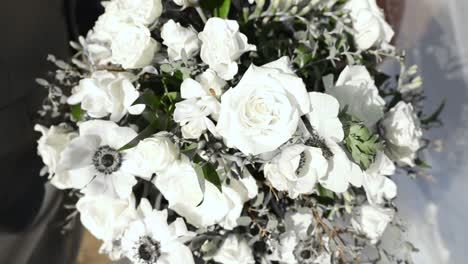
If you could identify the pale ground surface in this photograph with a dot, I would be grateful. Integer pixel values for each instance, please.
(89, 251)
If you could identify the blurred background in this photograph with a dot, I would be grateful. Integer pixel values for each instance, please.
(435, 205)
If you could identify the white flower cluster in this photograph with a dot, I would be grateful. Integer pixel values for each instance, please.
(219, 137)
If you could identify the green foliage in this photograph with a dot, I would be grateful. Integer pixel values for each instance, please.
(422, 164)
(77, 112)
(151, 101)
(360, 142)
(159, 123)
(207, 172)
(219, 8)
(169, 100)
(324, 192)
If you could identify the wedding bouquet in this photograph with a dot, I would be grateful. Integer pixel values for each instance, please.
(219, 131)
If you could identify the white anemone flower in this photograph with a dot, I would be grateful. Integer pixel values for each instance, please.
(223, 208)
(323, 116)
(179, 185)
(296, 245)
(150, 239)
(356, 90)
(296, 169)
(106, 218)
(327, 132)
(93, 162)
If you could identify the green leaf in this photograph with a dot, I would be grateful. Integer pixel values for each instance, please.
(169, 100)
(324, 192)
(201, 179)
(212, 176)
(223, 10)
(219, 8)
(435, 116)
(207, 173)
(77, 112)
(422, 164)
(150, 100)
(158, 124)
(360, 142)
(190, 148)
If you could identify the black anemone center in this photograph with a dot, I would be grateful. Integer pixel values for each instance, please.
(145, 252)
(316, 141)
(107, 160)
(148, 250)
(306, 251)
(302, 161)
(306, 254)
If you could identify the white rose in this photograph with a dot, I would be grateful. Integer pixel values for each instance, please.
(143, 11)
(50, 147)
(377, 186)
(109, 23)
(369, 22)
(372, 221)
(105, 93)
(356, 89)
(403, 133)
(105, 217)
(234, 250)
(133, 47)
(153, 155)
(262, 112)
(222, 45)
(180, 40)
(97, 45)
(97, 51)
(296, 169)
(341, 171)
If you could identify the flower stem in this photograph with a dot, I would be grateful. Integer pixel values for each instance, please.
(201, 14)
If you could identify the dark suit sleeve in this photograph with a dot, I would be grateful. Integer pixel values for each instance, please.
(31, 30)
(21, 188)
